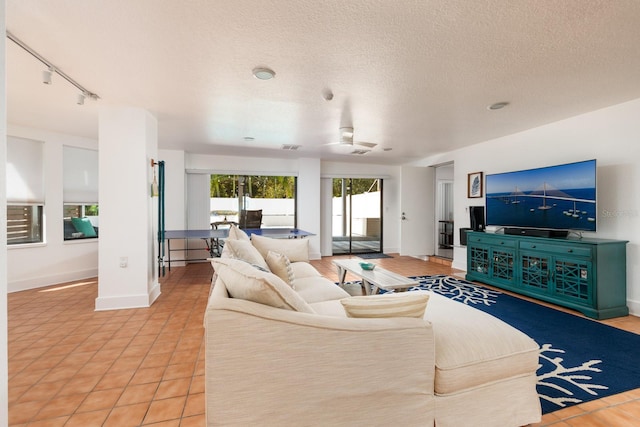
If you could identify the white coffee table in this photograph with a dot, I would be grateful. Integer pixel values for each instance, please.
(372, 280)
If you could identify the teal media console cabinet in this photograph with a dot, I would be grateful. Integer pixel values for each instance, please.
(588, 275)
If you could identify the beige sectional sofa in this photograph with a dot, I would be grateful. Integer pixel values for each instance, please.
(281, 350)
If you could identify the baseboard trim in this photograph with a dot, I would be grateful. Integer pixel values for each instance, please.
(50, 280)
(155, 292)
(634, 307)
(123, 302)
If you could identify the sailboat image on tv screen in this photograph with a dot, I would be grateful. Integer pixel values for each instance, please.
(546, 191)
(515, 194)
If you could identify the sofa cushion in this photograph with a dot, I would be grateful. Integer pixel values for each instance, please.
(294, 249)
(281, 266)
(246, 282)
(244, 250)
(235, 233)
(318, 288)
(474, 348)
(304, 269)
(409, 304)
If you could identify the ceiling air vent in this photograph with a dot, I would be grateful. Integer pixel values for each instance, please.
(292, 147)
(360, 151)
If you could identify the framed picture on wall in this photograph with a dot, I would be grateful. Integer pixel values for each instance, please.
(474, 185)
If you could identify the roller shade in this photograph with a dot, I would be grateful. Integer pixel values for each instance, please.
(25, 171)
(80, 175)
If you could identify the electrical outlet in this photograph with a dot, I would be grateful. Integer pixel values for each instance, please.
(124, 261)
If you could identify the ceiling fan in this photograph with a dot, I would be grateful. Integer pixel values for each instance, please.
(346, 138)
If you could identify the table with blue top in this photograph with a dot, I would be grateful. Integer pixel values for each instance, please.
(208, 235)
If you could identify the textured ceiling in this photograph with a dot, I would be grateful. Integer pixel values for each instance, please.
(413, 76)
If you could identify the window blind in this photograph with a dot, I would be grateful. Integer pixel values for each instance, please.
(25, 171)
(80, 181)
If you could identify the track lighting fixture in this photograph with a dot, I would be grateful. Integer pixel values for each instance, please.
(46, 77)
(47, 74)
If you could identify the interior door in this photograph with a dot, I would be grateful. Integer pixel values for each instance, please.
(417, 221)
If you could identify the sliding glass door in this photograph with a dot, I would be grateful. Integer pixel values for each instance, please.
(357, 215)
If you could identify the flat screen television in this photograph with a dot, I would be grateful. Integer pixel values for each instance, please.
(561, 197)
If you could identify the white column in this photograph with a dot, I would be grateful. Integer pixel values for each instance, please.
(308, 199)
(128, 140)
(326, 216)
(4, 367)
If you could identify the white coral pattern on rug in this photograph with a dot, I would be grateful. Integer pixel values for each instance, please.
(563, 379)
(457, 290)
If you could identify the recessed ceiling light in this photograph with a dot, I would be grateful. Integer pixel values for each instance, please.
(263, 73)
(498, 106)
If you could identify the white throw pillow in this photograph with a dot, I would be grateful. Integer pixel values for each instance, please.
(294, 249)
(236, 233)
(245, 282)
(244, 250)
(410, 304)
(281, 266)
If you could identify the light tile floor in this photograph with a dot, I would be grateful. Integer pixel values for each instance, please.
(72, 366)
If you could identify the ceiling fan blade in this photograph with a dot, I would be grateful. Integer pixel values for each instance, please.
(339, 143)
(365, 144)
(358, 151)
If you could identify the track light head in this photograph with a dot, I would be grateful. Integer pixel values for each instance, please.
(81, 97)
(46, 77)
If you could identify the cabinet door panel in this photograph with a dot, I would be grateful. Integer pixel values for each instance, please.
(479, 259)
(573, 279)
(502, 267)
(535, 272)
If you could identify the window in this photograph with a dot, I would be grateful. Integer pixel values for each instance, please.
(80, 193)
(24, 224)
(274, 196)
(25, 191)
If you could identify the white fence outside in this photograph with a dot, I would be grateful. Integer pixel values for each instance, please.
(365, 213)
(275, 212)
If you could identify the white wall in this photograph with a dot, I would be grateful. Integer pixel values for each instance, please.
(54, 261)
(609, 135)
(308, 201)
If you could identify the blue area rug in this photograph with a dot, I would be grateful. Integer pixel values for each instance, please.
(580, 359)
